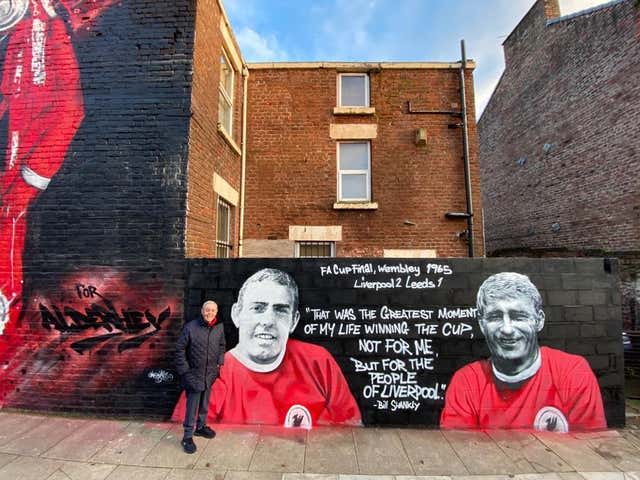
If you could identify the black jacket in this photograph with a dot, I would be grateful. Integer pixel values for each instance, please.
(199, 354)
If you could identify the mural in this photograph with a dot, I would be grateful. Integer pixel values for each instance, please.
(94, 117)
(386, 342)
(268, 378)
(95, 336)
(521, 385)
(42, 98)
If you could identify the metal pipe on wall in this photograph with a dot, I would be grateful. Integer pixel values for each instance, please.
(465, 143)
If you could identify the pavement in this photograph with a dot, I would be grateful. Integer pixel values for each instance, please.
(61, 448)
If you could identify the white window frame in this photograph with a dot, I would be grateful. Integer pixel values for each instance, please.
(367, 99)
(332, 244)
(221, 243)
(227, 96)
(354, 172)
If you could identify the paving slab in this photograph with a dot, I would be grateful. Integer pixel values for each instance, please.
(381, 452)
(631, 437)
(430, 453)
(82, 444)
(366, 477)
(618, 451)
(29, 468)
(423, 477)
(126, 472)
(331, 451)
(480, 454)
(525, 450)
(570, 476)
(602, 475)
(6, 458)
(38, 440)
(168, 452)
(481, 477)
(185, 474)
(231, 449)
(576, 452)
(309, 476)
(133, 444)
(13, 425)
(86, 471)
(632, 475)
(279, 449)
(233, 475)
(538, 476)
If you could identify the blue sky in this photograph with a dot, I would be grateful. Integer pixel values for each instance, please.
(383, 30)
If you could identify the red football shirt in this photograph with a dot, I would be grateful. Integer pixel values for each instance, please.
(308, 386)
(563, 395)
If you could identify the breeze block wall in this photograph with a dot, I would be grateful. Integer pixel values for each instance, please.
(400, 328)
(559, 140)
(107, 89)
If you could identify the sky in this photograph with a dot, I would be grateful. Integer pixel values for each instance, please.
(383, 30)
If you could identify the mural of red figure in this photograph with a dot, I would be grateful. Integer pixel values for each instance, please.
(268, 378)
(42, 97)
(522, 385)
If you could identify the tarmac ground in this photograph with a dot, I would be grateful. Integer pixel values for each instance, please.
(63, 448)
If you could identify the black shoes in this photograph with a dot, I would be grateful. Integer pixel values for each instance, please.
(205, 432)
(188, 446)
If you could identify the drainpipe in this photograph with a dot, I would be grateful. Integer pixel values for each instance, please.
(465, 142)
(245, 78)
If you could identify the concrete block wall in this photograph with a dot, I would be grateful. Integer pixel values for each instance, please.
(581, 301)
(103, 271)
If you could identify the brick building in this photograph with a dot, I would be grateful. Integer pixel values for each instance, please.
(333, 161)
(279, 130)
(559, 140)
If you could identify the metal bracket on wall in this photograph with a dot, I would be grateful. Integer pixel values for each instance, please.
(410, 109)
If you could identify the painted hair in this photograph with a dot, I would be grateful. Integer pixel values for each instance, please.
(271, 275)
(509, 285)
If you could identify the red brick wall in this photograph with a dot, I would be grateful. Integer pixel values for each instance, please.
(209, 152)
(574, 86)
(292, 171)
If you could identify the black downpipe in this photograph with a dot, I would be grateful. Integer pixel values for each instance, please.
(465, 143)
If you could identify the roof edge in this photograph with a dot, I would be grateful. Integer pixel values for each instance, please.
(471, 64)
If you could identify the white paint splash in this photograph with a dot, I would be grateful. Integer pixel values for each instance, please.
(38, 38)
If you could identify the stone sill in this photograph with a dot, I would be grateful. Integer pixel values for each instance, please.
(228, 139)
(355, 206)
(354, 110)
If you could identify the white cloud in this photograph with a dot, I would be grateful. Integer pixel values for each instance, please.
(572, 6)
(258, 48)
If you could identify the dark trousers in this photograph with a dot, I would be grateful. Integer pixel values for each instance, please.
(197, 405)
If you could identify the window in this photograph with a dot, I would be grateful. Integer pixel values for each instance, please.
(225, 102)
(354, 171)
(223, 232)
(353, 90)
(315, 249)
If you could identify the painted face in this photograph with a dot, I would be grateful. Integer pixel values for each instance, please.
(264, 320)
(511, 328)
(209, 312)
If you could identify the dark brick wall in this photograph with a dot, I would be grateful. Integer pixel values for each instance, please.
(559, 140)
(291, 160)
(103, 260)
(580, 297)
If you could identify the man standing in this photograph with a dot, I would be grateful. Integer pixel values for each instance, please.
(522, 385)
(199, 355)
(270, 379)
